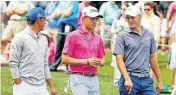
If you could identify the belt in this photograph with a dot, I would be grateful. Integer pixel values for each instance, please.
(84, 74)
(139, 74)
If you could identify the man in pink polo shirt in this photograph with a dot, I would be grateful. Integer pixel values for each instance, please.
(84, 52)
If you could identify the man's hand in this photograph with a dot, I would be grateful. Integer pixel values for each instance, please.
(94, 62)
(128, 85)
(159, 86)
(54, 91)
(17, 81)
(167, 29)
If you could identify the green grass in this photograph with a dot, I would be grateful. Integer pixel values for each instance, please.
(105, 75)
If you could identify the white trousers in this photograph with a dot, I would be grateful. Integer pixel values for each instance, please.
(173, 56)
(27, 89)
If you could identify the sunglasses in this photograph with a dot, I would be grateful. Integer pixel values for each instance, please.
(146, 9)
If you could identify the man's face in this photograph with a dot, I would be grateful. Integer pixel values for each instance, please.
(133, 22)
(148, 10)
(123, 8)
(41, 23)
(90, 22)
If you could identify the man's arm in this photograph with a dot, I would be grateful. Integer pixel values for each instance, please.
(48, 75)
(168, 16)
(10, 12)
(121, 65)
(51, 86)
(19, 11)
(14, 59)
(16, 11)
(102, 61)
(155, 67)
(66, 59)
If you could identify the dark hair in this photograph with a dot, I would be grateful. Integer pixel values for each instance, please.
(150, 3)
(29, 21)
(126, 3)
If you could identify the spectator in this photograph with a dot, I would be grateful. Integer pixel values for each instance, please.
(171, 16)
(133, 64)
(109, 10)
(52, 24)
(3, 7)
(151, 21)
(51, 47)
(41, 4)
(162, 11)
(118, 25)
(84, 52)
(17, 11)
(82, 5)
(67, 13)
(173, 58)
(28, 58)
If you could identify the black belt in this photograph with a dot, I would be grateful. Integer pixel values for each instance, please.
(84, 74)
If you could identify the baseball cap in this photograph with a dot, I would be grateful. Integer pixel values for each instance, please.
(91, 12)
(35, 13)
(132, 11)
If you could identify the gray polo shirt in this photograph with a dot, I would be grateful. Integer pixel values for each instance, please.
(29, 57)
(136, 49)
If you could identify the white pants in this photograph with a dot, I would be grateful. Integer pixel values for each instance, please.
(173, 56)
(117, 74)
(83, 85)
(27, 89)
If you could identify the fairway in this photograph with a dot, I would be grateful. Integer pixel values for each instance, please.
(105, 75)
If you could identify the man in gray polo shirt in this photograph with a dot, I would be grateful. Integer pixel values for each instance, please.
(135, 49)
(28, 58)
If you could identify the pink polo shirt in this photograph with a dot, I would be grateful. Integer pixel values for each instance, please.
(172, 10)
(78, 45)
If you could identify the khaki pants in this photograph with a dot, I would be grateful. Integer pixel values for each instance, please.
(1, 29)
(53, 33)
(12, 29)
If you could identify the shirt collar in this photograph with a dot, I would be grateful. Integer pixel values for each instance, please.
(84, 32)
(142, 30)
(32, 32)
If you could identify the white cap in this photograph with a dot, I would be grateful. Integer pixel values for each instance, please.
(132, 11)
(91, 12)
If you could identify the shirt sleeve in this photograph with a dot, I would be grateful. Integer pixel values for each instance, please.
(46, 66)
(69, 44)
(171, 7)
(119, 45)
(152, 45)
(14, 57)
